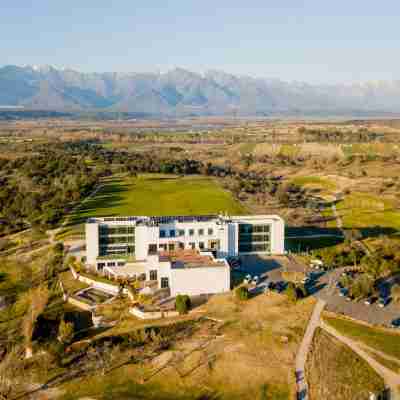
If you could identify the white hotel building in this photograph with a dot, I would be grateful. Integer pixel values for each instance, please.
(186, 254)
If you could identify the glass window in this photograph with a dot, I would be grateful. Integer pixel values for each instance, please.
(152, 248)
(100, 266)
(181, 232)
(162, 233)
(153, 275)
(164, 283)
(210, 231)
(201, 232)
(171, 247)
(192, 245)
(172, 233)
(191, 232)
(120, 264)
(201, 245)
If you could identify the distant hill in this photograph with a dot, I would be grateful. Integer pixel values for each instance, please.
(182, 93)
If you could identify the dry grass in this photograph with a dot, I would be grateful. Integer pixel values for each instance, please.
(335, 372)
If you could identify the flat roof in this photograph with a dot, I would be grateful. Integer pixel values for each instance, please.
(157, 220)
(190, 259)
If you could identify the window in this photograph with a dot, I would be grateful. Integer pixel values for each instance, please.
(181, 232)
(120, 264)
(210, 231)
(163, 247)
(111, 264)
(192, 245)
(171, 246)
(131, 249)
(152, 248)
(162, 233)
(201, 245)
(100, 266)
(164, 283)
(153, 275)
(201, 232)
(181, 246)
(191, 232)
(172, 233)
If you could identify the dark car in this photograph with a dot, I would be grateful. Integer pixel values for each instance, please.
(396, 323)
(383, 302)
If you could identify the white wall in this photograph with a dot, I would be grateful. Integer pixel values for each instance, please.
(92, 243)
(195, 281)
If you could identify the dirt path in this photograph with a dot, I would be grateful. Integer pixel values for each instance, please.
(392, 380)
(301, 357)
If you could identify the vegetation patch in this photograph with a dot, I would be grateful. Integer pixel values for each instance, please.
(363, 210)
(378, 339)
(335, 372)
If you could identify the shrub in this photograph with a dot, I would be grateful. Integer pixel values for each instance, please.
(242, 293)
(291, 292)
(182, 303)
(65, 332)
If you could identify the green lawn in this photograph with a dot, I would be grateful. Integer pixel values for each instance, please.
(363, 210)
(376, 338)
(156, 194)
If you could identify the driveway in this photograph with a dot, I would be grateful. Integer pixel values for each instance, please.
(358, 310)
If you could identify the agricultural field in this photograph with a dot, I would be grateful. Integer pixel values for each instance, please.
(363, 210)
(156, 194)
(335, 372)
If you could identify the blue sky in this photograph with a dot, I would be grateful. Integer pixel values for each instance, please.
(315, 41)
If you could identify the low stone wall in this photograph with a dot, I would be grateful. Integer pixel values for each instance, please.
(152, 314)
(105, 287)
(80, 304)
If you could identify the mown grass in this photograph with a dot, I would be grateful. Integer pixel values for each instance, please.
(156, 194)
(363, 210)
(335, 372)
(376, 338)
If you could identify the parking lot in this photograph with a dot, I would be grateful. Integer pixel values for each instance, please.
(269, 269)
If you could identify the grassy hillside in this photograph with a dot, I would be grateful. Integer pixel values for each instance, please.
(335, 372)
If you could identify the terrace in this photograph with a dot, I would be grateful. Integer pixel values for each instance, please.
(190, 259)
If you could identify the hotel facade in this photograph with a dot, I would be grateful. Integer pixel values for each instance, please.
(140, 245)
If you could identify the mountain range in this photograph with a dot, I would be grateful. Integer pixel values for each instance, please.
(182, 92)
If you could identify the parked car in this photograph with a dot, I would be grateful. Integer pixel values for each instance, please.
(247, 278)
(280, 286)
(255, 280)
(383, 302)
(370, 300)
(395, 323)
(343, 292)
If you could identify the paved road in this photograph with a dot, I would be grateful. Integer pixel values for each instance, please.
(301, 357)
(391, 379)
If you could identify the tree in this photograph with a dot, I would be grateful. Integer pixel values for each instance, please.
(182, 303)
(291, 292)
(65, 332)
(38, 301)
(242, 293)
